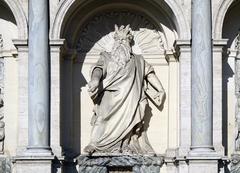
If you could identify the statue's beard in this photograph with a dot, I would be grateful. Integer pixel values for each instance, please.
(121, 54)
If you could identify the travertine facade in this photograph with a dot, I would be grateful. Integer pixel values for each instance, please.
(78, 31)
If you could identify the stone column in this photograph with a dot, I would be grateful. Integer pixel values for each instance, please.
(202, 77)
(38, 157)
(38, 81)
(202, 157)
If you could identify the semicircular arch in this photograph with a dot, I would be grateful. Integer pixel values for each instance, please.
(68, 7)
(219, 18)
(19, 16)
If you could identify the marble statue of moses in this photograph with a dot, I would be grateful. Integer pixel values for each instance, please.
(118, 85)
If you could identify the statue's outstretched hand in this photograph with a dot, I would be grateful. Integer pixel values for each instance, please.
(93, 85)
(159, 97)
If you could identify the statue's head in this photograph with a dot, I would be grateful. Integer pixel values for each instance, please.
(121, 51)
(123, 35)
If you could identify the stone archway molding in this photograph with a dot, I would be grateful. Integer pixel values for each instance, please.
(64, 6)
(19, 16)
(219, 18)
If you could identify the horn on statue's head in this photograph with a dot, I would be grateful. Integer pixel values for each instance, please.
(121, 27)
(127, 28)
(116, 28)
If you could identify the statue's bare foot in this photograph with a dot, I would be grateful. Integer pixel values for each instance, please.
(90, 149)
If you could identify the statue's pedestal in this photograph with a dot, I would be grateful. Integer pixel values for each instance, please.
(128, 163)
(33, 164)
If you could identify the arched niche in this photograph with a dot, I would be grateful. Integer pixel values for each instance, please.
(219, 18)
(231, 25)
(8, 29)
(230, 30)
(19, 16)
(88, 30)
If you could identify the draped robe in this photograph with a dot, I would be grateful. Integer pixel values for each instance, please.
(120, 100)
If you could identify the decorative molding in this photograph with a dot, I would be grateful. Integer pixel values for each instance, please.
(6, 53)
(97, 35)
(21, 45)
(219, 44)
(57, 45)
(171, 56)
(182, 46)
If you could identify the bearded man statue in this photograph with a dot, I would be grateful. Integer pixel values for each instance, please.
(120, 81)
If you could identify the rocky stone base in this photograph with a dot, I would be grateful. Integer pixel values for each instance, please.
(235, 163)
(125, 163)
(5, 165)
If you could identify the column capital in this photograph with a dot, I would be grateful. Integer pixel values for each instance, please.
(182, 46)
(21, 44)
(57, 42)
(171, 56)
(57, 45)
(182, 43)
(219, 44)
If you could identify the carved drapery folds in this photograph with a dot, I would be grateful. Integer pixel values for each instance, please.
(97, 35)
